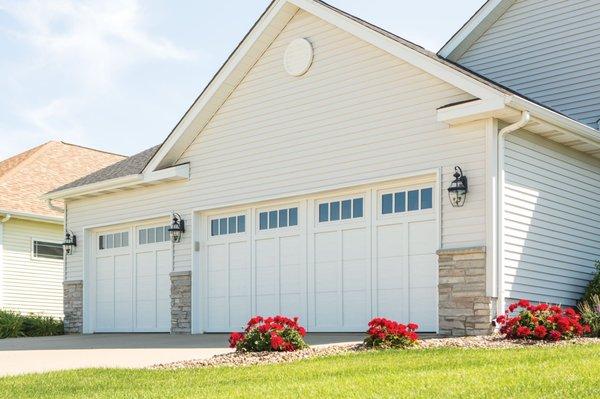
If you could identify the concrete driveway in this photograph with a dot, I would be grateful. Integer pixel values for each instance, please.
(33, 355)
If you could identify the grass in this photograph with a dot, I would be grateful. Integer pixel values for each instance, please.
(477, 373)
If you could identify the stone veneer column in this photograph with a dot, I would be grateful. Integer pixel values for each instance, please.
(464, 308)
(181, 302)
(73, 306)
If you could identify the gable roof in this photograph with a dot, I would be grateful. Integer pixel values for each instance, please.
(474, 28)
(260, 37)
(132, 165)
(28, 175)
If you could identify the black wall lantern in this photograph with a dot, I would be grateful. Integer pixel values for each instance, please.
(177, 228)
(457, 192)
(70, 242)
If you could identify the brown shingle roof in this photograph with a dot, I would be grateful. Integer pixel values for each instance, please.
(26, 176)
(132, 165)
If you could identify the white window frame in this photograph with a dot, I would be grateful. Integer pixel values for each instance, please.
(277, 208)
(227, 216)
(105, 233)
(406, 189)
(34, 257)
(153, 226)
(340, 198)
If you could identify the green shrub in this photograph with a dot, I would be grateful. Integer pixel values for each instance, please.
(590, 314)
(593, 287)
(13, 325)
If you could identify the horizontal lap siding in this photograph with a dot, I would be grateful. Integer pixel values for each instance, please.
(358, 115)
(31, 285)
(552, 222)
(548, 50)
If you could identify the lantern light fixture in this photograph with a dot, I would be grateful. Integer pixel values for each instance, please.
(177, 228)
(457, 192)
(70, 242)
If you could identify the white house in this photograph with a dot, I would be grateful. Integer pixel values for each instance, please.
(312, 175)
(31, 233)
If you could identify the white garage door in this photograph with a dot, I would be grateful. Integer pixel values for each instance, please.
(335, 262)
(132, 284)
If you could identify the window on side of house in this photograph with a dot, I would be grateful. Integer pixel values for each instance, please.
(47, 250)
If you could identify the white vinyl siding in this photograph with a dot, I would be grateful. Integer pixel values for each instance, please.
(359, 115)
(31, 285)
(552, 221)
(548, 50)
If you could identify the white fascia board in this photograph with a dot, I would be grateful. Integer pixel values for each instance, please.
(405, 53)
(214, 88)
(32, 216)
(473, 110)
(479, 23)
(585, 132)
(179, 172)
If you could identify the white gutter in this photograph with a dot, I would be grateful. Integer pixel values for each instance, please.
(4, 220)
(525, 118)
(54, 207)
(32, 216)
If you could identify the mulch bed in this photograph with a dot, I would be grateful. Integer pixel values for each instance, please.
(253, 358)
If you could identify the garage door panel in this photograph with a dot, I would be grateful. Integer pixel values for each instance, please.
(291, 279)
(266, 280)
(217, 257)
(240, 311)
(238, 256)
(145, 314)
(392, 303)
(327, 310)
(355, 275)
(218, 284)
(390, 273)
(421, 236)
(389, 240)
(218, 319)
(327, 276)
(266, 253)
(105, 315)
(104, 269)
(146, 288)
(423, 271)
(267, 304)
(355, 244)
(327, 246)
(289, 250)
(291, 305)
(356, 312)
(239, 283)
(422, 302)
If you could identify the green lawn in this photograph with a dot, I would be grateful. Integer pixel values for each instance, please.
(511, 373)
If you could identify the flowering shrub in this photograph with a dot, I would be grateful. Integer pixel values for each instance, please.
(278, 333)
(590, 314)
(384, 333)
(541, 322)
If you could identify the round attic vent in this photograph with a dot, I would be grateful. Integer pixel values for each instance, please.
(298, 57)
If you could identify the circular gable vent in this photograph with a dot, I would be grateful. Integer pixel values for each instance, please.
(298, 57)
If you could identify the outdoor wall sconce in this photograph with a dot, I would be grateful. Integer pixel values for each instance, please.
(70, 242)
(457, 192)
(177, 228)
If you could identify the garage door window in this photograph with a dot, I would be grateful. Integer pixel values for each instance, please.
(407, 201)
(113, 240)
(228, 225)
(278, 218)
(153, 235)
(341, 210)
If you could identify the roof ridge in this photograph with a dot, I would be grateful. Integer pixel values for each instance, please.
(27, 155)
(92, 149)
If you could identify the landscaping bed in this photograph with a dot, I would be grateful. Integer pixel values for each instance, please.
(254, 358)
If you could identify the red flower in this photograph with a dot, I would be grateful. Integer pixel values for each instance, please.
(523, 332)
(234, 338)
(571, 313)
(302, 331)
(276, 341)
(542, 307)
(587, 329)
(540, 332)
(556, 309)
(501, 319)
(523, 303)
(512, 307)
(413, 326)
(555, 335)
(563, 324)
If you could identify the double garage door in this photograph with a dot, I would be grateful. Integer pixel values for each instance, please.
(334, 261)
(131, 285)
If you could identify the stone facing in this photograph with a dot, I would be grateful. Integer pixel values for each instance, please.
(464, 308)
(73, 306)
(181, 302)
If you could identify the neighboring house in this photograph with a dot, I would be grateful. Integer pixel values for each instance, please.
(31, 233)
(312, 175)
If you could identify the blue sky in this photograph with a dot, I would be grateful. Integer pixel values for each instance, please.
(118, 74)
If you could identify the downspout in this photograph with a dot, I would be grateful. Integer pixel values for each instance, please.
(5, 219)
(522, 122)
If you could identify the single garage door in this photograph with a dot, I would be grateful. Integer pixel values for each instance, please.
(132, 284)
(334, 261)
